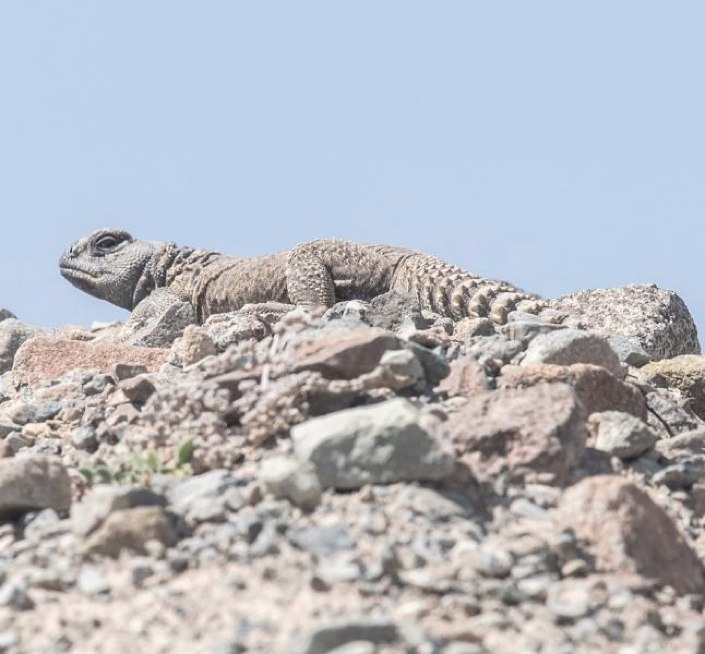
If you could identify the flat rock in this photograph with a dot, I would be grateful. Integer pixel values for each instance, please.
(656, 318)
(131, 529)
(686, 373)
(597, 389)
(565, 347)
(381, 444)
(346, 354)
(628, 532)
(524, 432)
(620, 434)
(33, 482)
(40, 360)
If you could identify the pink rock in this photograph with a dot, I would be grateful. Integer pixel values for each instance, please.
(40, 360)
(523, 432)
(629, 532)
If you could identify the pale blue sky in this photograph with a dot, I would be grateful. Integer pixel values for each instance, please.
(560, 145)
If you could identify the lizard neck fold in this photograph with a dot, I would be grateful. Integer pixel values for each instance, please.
(158, 271)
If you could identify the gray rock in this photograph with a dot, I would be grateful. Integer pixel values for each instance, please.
(629, 351)
(203, 495)
(655, 318)
(47, 411)
(326, 638)
(141, 569)
(8, 643)
(85, 439)
(527, 329)
(621, 434)
(288, 478)
(380, 444)
(570, 598)
(32, 482)
(157, 325)
(667, 417)
(15, 441)
(7, 427)
(683, 474)
(351, 309)
(389, 310)
(403, 363)
(568, 346)
(225, 329)
(14, 596)
(97, 384)
(322, 542)
(13, 333)
(137, 389)
(92, 581)
(122, 371)
(19, 412)
(492, 348)
(435, 366)
(5, 314)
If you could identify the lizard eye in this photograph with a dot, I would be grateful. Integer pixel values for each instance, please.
(107, 243)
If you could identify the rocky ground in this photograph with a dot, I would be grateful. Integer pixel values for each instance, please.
(375, 480)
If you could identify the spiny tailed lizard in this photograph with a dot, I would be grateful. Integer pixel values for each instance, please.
(112, 265)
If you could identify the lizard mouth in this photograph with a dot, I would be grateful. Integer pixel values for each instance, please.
(77, 274)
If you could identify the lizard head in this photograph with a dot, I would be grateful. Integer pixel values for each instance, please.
(108, 264)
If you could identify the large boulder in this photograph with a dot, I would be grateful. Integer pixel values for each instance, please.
(655, 318)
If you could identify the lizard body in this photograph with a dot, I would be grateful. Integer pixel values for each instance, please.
(112, 265)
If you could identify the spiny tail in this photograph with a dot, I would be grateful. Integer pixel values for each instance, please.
(456, 293)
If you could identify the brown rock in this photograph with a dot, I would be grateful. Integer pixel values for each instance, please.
(467, 377)
(524, 432)
(131, 529)
(686, 373)
(597, 388)
(137, 389)
(630, 533)
(32, 482)
(347, 355)
(42, 359)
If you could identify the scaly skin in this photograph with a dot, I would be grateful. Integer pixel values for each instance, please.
(112, 265)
